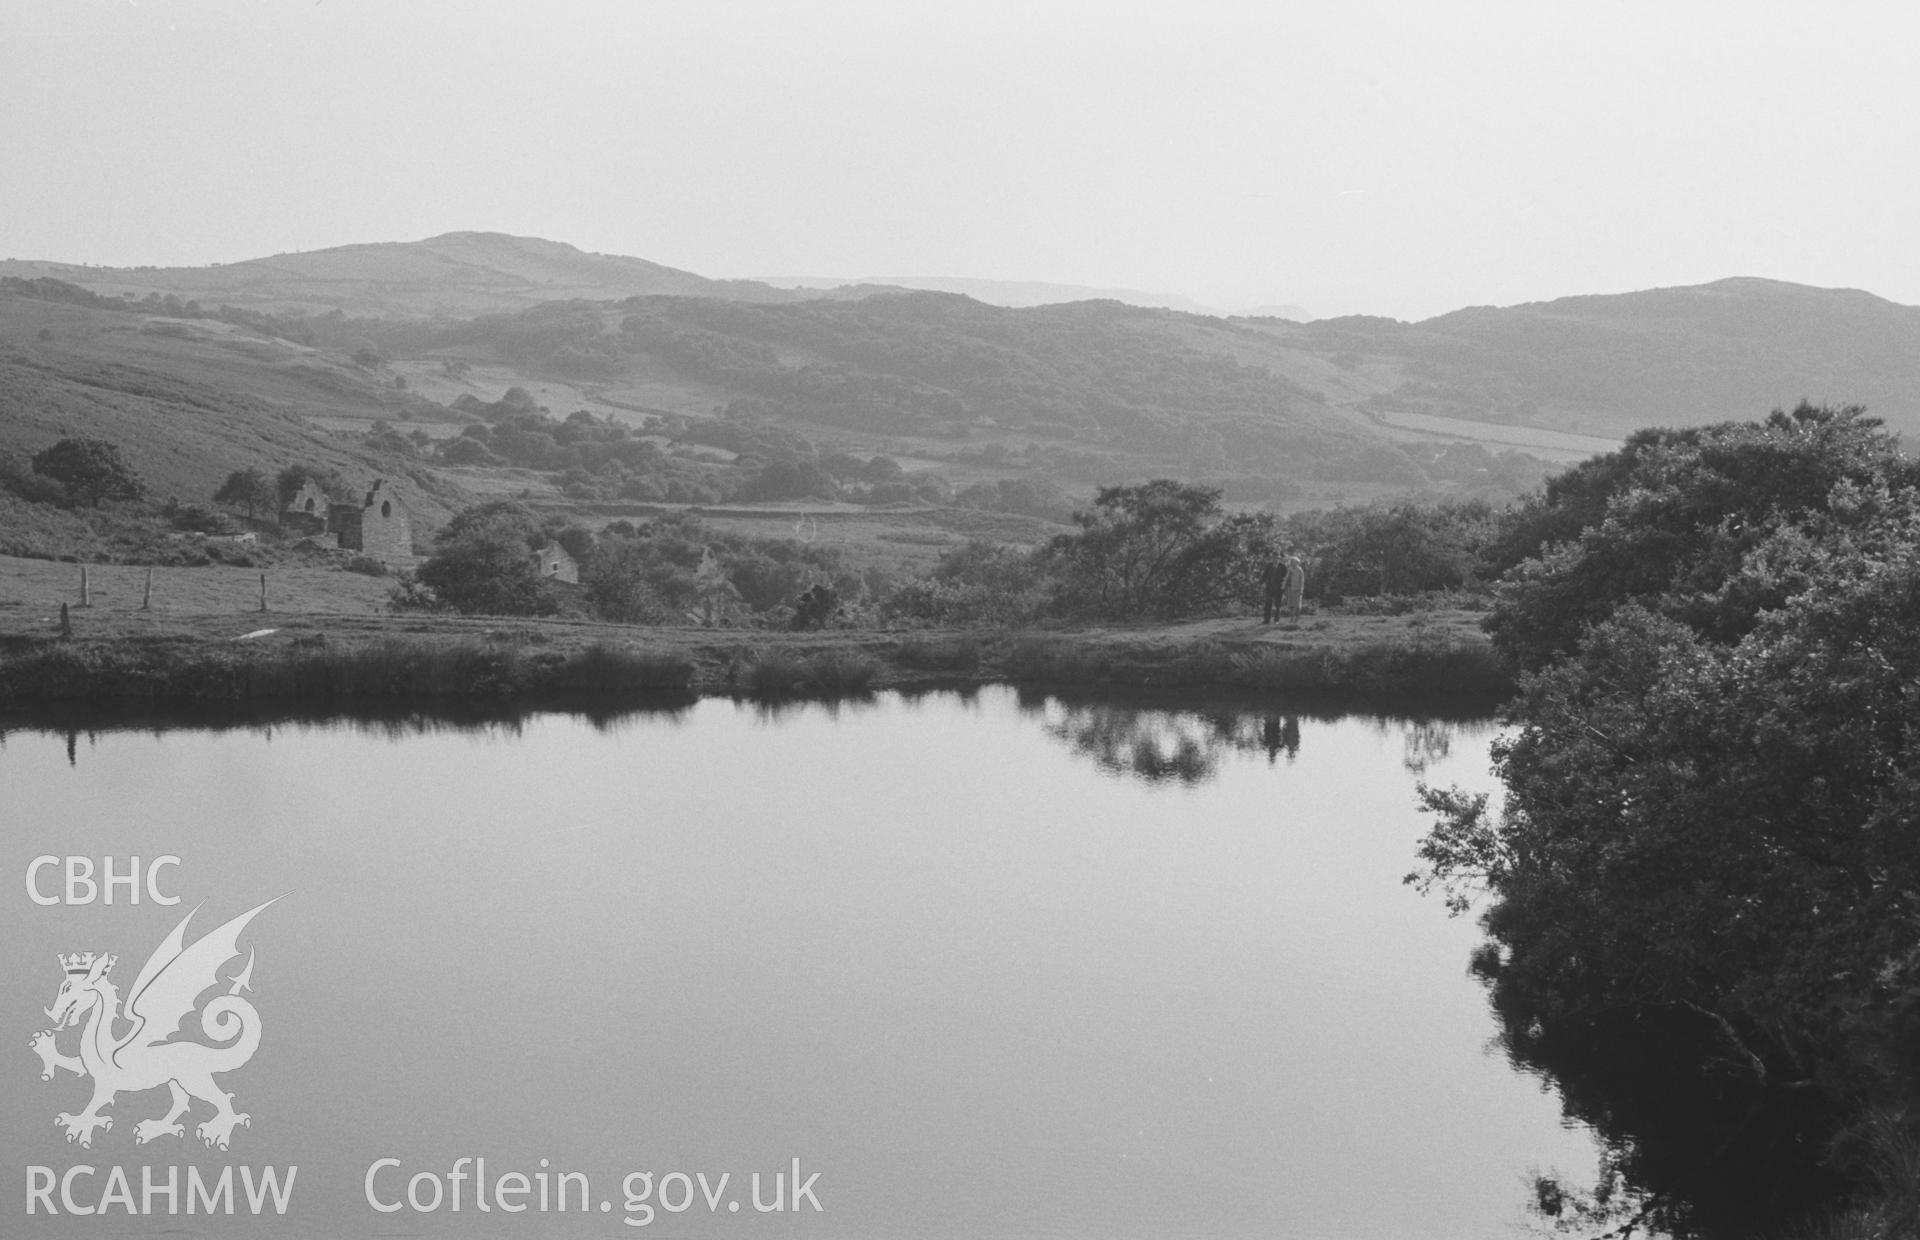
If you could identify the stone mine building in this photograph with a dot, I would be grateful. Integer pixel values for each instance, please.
(380, 527)
(552, 561)
(306, 512)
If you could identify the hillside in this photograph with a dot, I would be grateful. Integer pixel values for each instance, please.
(1596, 366)
(1088, 392)
(1606, 364)
(1037, 405)
(868, 414)
(455, 274)
(190, 400)
(1011, 293)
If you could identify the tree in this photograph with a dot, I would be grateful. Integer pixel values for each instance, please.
(578, 540)
(383, 438)
(790, 478)
(617, 582)
(653, 579)
(517, 400)
(487, 569)
(1130, 544)
(1222, 566)
(976, 583)
(1703, 919)
(499, 515)
(1384, 549)
(1667, 521)
(90, 469)
(248, 489)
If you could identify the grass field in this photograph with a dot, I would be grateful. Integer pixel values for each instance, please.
(1549, 445)
(31, 591)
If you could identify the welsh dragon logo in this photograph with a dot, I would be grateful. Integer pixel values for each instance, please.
(144, 1056)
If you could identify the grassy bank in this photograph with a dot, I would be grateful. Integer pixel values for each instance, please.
(311, 668)
(131, 657)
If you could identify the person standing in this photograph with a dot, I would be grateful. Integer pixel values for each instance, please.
(1273, 584)
(1296, 584)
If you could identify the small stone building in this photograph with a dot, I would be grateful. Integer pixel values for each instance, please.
(380, 527)
(306, 513)
(553, 562)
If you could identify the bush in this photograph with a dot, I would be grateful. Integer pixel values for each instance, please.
(978, 584)
(32, 487)
(91, 470)
(197, 519)
(485, 565)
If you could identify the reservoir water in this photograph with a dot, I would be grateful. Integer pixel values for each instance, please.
(985, 966)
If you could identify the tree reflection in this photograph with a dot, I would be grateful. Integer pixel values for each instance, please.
(1188, 745)
(1427, 742)
(391, 721)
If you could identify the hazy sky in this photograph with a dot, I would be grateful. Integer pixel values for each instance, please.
(1390, 158)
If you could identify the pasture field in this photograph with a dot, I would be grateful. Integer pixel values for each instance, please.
(1549, 445)
(31, 591)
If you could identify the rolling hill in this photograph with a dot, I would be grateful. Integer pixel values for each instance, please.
(1592, 365)
(1607, 364)
(190, 400)
(455, 274)
(1011, 293)
(324, 344)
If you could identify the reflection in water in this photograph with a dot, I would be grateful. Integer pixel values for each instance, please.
(927, 943)
(1427, 741)
(1275, 736)
(1162, 746)
(1637, 1080)
(1187, 745)
(390, 722)
(1184, 741)
(1701, 1140)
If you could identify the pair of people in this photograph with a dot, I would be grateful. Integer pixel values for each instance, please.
(1282, 585)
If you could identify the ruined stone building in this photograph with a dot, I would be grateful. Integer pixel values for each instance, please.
(552, 561)
(380, 527)
(306, 513)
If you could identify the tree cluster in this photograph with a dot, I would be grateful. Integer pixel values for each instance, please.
(1705, 879)
(671, 570)
(92, 471)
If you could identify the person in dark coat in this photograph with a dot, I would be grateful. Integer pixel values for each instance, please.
(1273, 587)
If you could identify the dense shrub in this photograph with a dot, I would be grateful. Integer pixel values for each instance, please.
(1702, 920)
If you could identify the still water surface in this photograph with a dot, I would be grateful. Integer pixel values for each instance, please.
(991, 966)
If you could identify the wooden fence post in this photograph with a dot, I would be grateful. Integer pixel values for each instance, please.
(263, 592)
(86, 599)
(66, 622)
(146, 596)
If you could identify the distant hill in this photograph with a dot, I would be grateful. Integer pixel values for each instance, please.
(455, 274)
(1085, 391)
(1595, 365)
(1082, 395)
(1735, 348)
(1017, 294)
(1286, 310)
(1109, 391)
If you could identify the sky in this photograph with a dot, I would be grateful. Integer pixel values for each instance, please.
(1401, 159)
